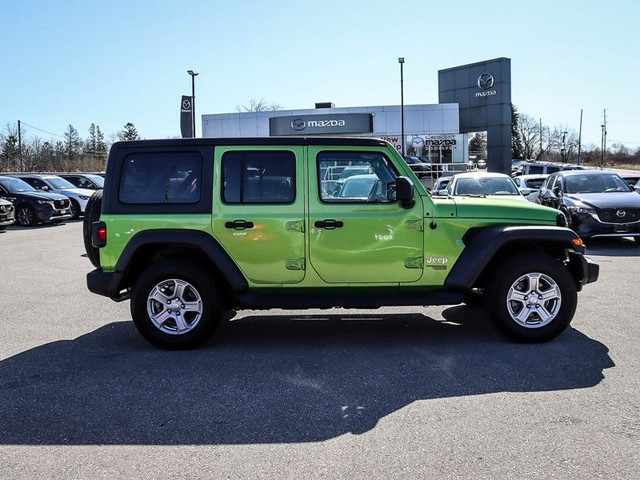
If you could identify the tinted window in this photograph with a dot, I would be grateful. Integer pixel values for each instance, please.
(154, 178)
(534, 182)
(355, 177)
(258, 177)
(536, 169)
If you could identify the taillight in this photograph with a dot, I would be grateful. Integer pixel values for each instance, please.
(98, 234)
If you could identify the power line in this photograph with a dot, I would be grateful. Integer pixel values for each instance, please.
(40, 129)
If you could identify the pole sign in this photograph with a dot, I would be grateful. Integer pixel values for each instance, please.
(186, 119)
(483, 92)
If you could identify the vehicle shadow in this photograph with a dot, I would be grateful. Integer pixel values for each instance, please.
(266, 379)
(613, 247)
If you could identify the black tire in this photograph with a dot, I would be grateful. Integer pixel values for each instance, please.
(92, 214)
(74, 207)
(525, 315)
(26, 216)
(176, 284)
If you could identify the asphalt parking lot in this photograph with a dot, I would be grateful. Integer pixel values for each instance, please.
(401, 393)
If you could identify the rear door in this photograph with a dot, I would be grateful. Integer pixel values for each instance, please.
(358, 233)
(258, 213)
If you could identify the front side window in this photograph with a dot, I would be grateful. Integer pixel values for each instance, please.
(356, 177)
(161, 178)
(258, 177)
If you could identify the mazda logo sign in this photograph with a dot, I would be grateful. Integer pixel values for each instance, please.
(486, 81)
(298, 124)
(186, 104)
(620, 213)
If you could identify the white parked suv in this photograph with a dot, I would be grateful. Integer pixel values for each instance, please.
(53, 183)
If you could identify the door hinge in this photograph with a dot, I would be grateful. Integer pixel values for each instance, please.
(295, 226)
(295, 264)
(414, 225)
(413, 262)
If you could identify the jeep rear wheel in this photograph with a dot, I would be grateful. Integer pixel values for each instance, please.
(532, 298)
(175, 305)
(91, 214)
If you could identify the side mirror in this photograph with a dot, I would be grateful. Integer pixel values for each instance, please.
(44, 188)
(556, 191)
(443, 192)
(404, 192)
(526, 191)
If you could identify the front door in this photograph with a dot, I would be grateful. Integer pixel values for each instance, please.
(358, 233)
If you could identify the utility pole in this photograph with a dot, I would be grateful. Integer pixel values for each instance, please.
(20, 146)
(401, 62)
(562, 153)
(541, 139)
(604, 139)
(580, 137)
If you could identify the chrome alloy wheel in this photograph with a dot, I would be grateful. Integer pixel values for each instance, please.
(534, 300)
(174, 306)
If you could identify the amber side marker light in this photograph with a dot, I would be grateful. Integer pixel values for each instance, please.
(578, 242)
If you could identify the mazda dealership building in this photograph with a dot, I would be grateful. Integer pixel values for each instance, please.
(473, 98)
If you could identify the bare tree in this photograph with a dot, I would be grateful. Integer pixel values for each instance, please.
(258, 106)
(529, 132)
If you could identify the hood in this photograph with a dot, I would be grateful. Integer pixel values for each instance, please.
(502, 208)
(607, 200)
(75, 191)
(48, 196)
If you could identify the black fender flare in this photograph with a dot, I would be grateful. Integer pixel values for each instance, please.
(193, 238)
(481, 245)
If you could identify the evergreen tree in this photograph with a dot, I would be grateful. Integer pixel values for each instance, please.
(517, 148)
(91, 145)
(72, 142)
(9, 154)
(101, 147)
(129, 133)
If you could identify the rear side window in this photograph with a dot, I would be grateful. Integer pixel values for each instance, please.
(161, 178)
(258, 177)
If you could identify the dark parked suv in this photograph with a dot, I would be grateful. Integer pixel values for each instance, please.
(33, 207)
(597, 203)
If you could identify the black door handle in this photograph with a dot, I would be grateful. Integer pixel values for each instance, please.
(329, 224)
(238, 224)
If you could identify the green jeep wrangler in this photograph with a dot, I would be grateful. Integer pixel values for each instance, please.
(192, 229)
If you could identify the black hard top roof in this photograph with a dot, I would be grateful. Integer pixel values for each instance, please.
(293, 140)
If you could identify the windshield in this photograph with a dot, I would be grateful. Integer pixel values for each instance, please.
(595, 183)
(485, 186)
(60, 183)
(15, 185)
(97, 179)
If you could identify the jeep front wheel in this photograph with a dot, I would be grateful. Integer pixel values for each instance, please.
(175, 306)
(532, 298)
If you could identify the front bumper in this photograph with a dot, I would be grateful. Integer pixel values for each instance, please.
(587, 226)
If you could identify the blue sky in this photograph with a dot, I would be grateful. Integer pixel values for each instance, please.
(78, 62)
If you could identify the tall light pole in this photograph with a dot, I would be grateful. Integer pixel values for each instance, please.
(563, 154)
(193, 101)
(401, 62)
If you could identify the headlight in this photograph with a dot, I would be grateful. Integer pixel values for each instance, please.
(43, 202)
(577, 209)
(83, 197)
